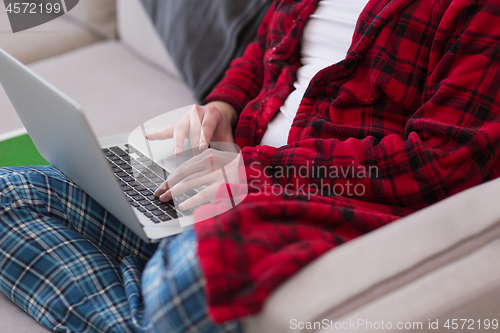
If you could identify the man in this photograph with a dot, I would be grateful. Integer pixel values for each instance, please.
(416, 98)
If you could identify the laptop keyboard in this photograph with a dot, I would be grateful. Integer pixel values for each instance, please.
(139, 177)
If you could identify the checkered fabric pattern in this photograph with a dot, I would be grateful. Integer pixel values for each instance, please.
(417, 97)
(75, 268)
(174, 304)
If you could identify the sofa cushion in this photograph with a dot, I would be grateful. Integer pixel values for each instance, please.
(376, 264)
(98, 16)
(116, 90)
(49, 39)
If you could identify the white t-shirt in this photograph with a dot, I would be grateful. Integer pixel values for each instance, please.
(326, 39)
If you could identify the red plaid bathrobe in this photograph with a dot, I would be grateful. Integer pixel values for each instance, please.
(417, 97)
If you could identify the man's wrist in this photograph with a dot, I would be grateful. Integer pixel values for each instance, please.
(227, 109)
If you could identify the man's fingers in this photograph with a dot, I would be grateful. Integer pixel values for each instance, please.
(208, 126)
(180, 130)
(203, 196)
(162, 189)
(195, 117)
(167, 133)
(186, 169)
(184, 186)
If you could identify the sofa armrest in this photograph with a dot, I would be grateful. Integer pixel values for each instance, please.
(384, 260)
(465, 292)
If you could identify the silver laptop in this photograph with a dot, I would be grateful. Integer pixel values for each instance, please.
(121, 177)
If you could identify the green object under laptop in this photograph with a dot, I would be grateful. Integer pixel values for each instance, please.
(18, 151)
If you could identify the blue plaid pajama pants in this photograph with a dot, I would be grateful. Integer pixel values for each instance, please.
(74, 268)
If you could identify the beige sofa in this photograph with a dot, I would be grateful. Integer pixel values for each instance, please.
(119, 82)
(437, 264)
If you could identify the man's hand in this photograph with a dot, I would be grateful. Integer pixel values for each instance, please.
(214, 121)
(211, 168)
